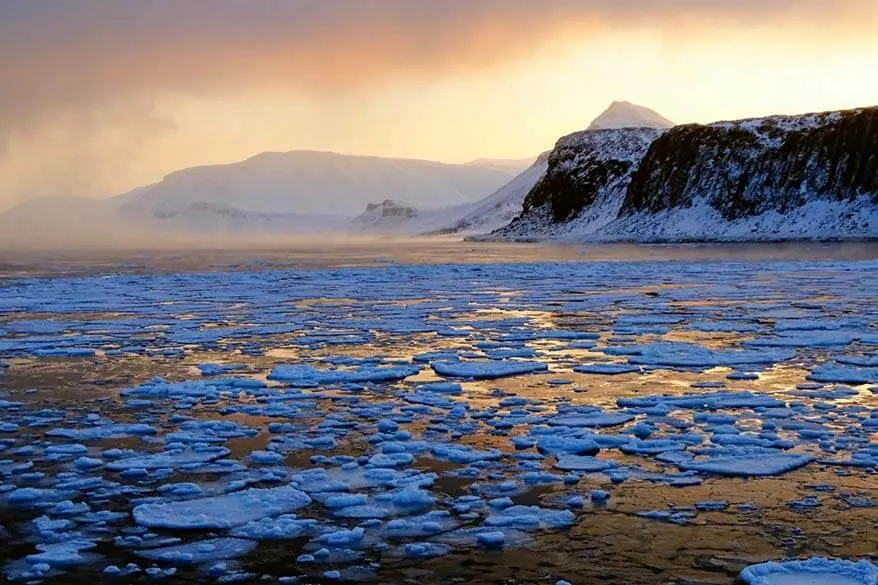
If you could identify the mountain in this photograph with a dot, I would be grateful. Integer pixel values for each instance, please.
(270, 193)
(627, 115)
(514, 166)
(391, 217)
(306, 182)
(812, 176)
(497, 209)
(387, 215)
(506, 203)
(205, 218)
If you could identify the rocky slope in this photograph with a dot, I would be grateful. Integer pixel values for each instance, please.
(572, 152)
(497, 209)
(782, 177)
(386, 215)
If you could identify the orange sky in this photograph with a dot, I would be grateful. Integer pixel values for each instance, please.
(101, 97)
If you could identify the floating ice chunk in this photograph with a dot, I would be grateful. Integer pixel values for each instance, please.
(180, 489)
(159, 388)
(703, 401)
(62, 554)
(109, 431)
(64, 352)
(868, 361)
(814, 571)
(60, 452)
(804, 339)
(486, 370)
(87, 463)
(652, 446)
(420, 526)
(844, 374)
(266, 457)
(169, 459)
(591, 420)
(530, 518)
(711, 505)
(606, 368)
(493, 539)
(506, 353)
(391, 460)
(216, 369)
(582, 463)
(463, 453)
(599, 496)
(342, 538)
(413, 497)
(552, 445)
(285, 527)
(430, 356)
(688, 355)
(221, 512)
(425, 549)
(298, 374)
(204, 551)
(31, 497)
(441, 387)
(748, 465)
(675, 517)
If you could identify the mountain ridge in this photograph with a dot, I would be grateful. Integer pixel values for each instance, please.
(809, 176)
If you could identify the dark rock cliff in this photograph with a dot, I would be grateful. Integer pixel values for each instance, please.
(750, 167)
(585, 165)
(819, 171)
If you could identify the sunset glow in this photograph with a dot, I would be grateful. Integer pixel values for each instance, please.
(100, 98)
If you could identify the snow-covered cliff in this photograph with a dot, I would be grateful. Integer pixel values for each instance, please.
(784, 177)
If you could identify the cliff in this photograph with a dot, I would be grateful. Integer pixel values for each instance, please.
(813, 176)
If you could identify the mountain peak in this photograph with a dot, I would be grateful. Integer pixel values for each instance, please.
(622, 114)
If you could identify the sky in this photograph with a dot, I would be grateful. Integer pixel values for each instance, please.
(100, 96)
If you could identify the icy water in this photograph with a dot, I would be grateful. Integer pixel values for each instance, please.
(437, 412)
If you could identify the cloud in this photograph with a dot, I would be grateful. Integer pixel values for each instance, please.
(87, 64)
(55, 55)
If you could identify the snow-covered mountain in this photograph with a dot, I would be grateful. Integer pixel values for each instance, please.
(511, 165)
(306, 182)
(386, 216)
(783, 177)
(506, 203)
(627, 115)
(272, 193)
(497, 209)
(391, 217)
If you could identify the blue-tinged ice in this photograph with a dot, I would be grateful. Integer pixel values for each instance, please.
(175, 458)
(749, 465)
(486, 370)
(221, 512)
(814, 571)
(530, 518)
(297, 374)
(199, 552)
(606, 368)
(583, 463)
(591, 420)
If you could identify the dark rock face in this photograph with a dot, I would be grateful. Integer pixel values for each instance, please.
(585, 165)
(747, 168)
